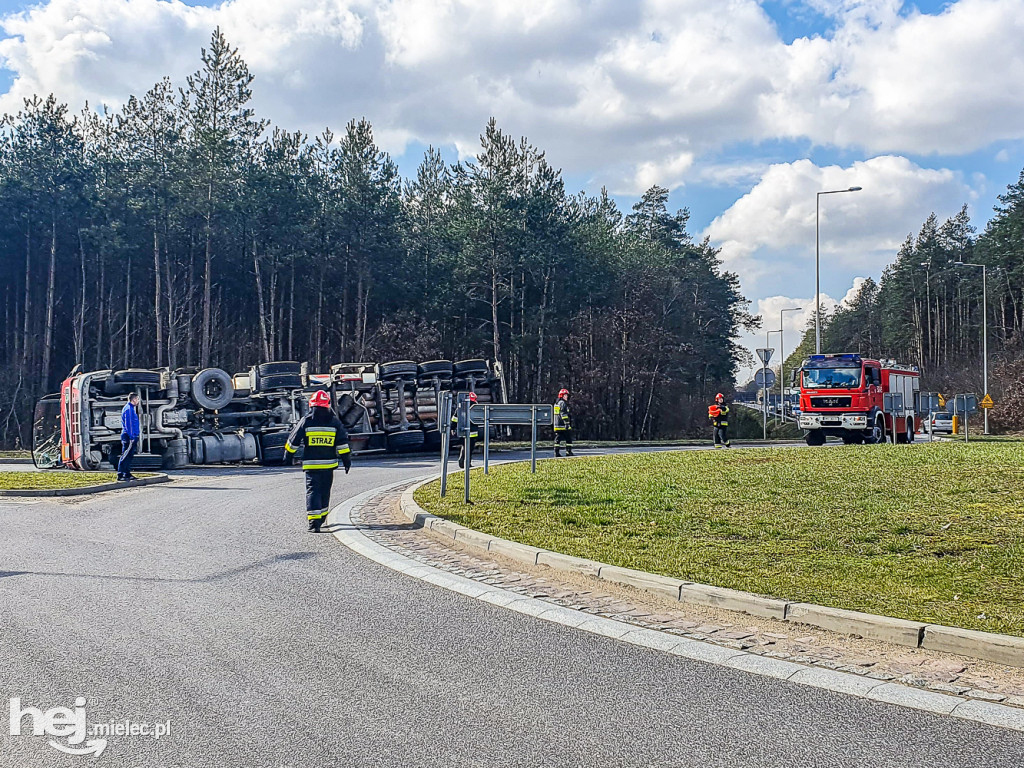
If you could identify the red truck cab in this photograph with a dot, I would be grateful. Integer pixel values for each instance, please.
(843, 396)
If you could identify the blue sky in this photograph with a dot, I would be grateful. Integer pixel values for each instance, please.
(742, 113)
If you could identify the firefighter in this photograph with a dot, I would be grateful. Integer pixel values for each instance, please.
(467, 442)
(719, 415)
(324, 441)
(563, 426)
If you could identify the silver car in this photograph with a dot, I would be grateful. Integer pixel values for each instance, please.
(941, 423)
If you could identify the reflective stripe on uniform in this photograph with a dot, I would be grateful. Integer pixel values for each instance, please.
(317, 515)
(321, 464)
(343, 449)
(290, 448)
(561, 429)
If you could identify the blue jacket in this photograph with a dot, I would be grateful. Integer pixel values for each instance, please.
(129, 422)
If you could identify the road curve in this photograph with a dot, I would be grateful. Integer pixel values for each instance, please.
(206, 603)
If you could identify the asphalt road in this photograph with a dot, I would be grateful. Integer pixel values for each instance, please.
(206, 603)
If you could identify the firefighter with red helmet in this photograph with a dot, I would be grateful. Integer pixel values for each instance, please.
(467, 443)
(563, 425)
(324, 442)
(719, 415)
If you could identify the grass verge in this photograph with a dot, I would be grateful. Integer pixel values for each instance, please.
(15, 455)
(30, 481)
(931, 533)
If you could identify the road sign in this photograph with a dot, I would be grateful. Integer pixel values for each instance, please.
(513, 414)
(892, 402)
(942, 400)
(765, 354)
(765, 378)
(986, 402)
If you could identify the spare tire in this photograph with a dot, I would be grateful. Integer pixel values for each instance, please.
(398, 369)
(290, 367)
(352, 418)
(212, 389)
(463, 367)
(398, 442)
(272, 381)
(441, 368)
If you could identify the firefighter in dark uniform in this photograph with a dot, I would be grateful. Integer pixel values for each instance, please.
(563, 426)
(324, 440)
(719, 415)
(467, 442)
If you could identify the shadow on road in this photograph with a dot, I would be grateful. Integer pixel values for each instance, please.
(215, 577)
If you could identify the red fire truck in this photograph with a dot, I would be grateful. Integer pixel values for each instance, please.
(843, 396)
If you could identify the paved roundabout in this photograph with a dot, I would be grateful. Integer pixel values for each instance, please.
(206, 604)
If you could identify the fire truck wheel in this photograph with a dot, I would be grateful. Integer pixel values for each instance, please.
(877, 434)
(910, 430)
(815, 437)
(212, 389)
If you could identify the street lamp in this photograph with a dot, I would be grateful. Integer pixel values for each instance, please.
(817, 263)
(782, 353)
(764, 383)
(984, 324)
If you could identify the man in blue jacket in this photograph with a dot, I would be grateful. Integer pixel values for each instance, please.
(129, 437)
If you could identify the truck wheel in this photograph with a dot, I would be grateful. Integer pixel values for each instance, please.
(290, 367)
(464, 367)
(399, 442)
(398, 369)
(212, 389)
(440, 368)
(123, 382)
(815, 437)
(877, 434)
(272, 448)
(910, 430)
(274, 381)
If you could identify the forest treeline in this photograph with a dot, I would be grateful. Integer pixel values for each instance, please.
(927, 310)
(185, 230)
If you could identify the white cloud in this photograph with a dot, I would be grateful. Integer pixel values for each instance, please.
(771, 229)
(636, 92)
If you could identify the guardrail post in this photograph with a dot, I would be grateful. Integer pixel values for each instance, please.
(445, 425)
(487, 439)
(533, 440)
(467, 443)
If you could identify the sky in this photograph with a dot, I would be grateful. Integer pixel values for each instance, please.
(743, 109)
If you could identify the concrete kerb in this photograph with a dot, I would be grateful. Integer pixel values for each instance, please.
(840, 682)
(1001, 649)
(87, 490)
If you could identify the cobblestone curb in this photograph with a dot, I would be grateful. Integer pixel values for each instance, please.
(369, 524)
(87, 490)
(1001, 649)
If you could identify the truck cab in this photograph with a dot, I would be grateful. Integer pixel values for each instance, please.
(844, 396)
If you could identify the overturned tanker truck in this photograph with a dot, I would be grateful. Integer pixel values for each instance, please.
(208, 416)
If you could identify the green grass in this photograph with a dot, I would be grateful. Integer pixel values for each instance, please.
(932, 533)
(22, 481)
(15, 455)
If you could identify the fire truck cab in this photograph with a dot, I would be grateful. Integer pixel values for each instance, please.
(843, 396)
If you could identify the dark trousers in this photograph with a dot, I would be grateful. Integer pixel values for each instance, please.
(722, 436)
(318, 493)
(563, 436)
(128, 448)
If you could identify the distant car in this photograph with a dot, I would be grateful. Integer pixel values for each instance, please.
(941, 422)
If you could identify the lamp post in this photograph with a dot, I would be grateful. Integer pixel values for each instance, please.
(782, 353)
(984, 325)
(817, 262)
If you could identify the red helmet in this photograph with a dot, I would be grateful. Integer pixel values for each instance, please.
(471, 397)
(563, 393)
(719, 397)
(320, 399)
